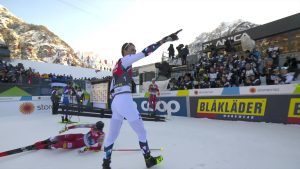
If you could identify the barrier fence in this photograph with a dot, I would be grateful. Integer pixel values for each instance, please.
(276, 103)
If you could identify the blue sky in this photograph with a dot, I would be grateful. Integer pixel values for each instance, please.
(104, 25)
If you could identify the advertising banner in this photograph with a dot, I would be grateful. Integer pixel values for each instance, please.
(269, 89)
(294, 111)
(163, 94)
(175, 106)
(206, 92)
(250, 108)
(33, 106)
(269, 108)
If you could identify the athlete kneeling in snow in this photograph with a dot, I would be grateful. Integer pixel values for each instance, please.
(92, 140)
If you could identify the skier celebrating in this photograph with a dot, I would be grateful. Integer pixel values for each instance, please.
(153, 90)
(122, 103)
(92, 140)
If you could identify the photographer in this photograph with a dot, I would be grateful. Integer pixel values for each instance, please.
(184, 53)
(171, 52)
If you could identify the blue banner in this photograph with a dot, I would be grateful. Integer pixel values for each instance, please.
(175, 106)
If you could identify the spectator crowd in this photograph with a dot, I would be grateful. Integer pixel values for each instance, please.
(230, 69)
(227, 69)
(19, 75)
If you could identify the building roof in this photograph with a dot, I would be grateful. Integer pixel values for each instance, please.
(283, 25)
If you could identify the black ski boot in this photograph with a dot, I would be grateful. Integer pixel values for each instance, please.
(151, 161)
(106, 163)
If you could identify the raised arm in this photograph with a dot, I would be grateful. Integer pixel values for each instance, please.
(130, 59)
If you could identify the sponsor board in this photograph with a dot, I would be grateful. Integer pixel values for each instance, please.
(232, 108)
(294, 111)
(206, 92)
(24, 98)
(138, 95)
(162, 94)
(28, 107)
(9, 99)
(175, 106)
(34, 98)
(268, 90)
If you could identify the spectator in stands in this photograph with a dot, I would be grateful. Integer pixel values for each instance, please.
(248, 71)
(173, 84)
(188, 82)
(255, 80)
(29, 75)
(212, 76)
(292, 65)
(275, 76)
(20, 71)
(4, 71)
(247, 82)
(273, 53)
(224, 81)
(286, 78)
(180, 83)
(219, 83)
(268, 71)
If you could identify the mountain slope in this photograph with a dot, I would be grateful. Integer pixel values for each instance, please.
(223, 30)
(34, 42)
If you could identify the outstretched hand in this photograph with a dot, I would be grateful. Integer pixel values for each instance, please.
(171, 37)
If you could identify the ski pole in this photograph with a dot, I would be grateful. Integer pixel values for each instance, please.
(137, 149)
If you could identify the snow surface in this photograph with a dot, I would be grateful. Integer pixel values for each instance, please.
(189, 143)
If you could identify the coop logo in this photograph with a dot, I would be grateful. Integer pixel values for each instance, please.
(26, 108)
(162, 106)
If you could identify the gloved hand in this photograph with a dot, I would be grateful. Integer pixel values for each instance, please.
(63, 130)
(171, 37)
(83, 149)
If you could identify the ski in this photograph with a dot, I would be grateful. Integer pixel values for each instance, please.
(68, 122)
(147, 117)
(17, 150)
(137, 149)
